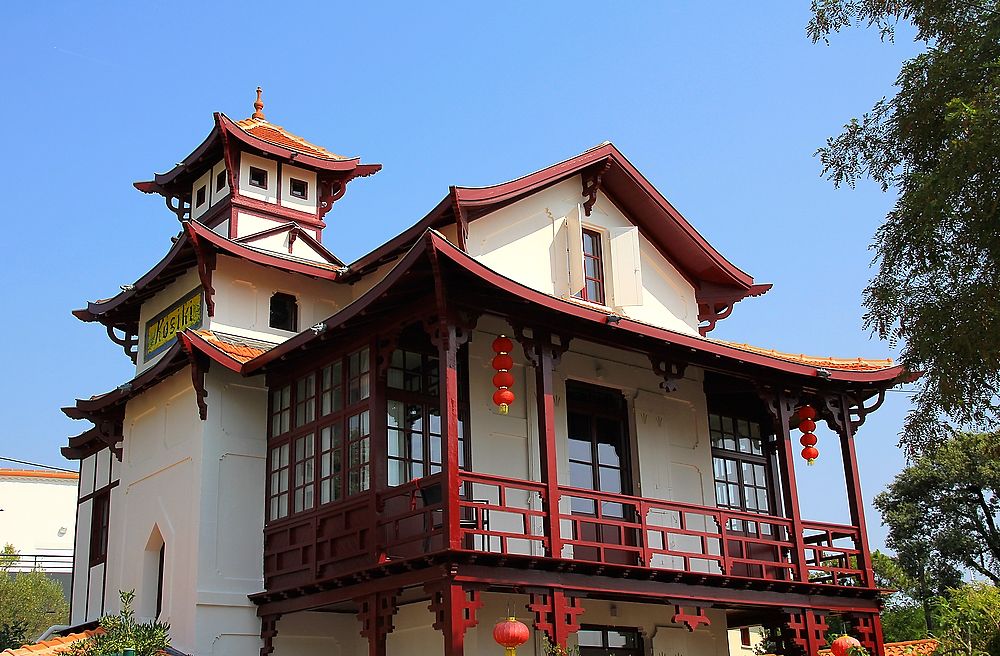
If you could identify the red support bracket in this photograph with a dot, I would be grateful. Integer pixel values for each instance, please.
(455, 611)
(592, 184)
(802, 632)
(556, 613)
(867, 628)
(268, 632)
(691, 620)
(375, 612)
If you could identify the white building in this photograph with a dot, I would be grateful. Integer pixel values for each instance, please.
(311, 457)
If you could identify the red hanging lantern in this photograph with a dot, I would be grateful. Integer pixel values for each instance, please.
(807, 424)
(843, 645)
(503, 380)
(510, 634)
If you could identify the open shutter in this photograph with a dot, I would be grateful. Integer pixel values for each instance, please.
(574, 249)
(626, 270)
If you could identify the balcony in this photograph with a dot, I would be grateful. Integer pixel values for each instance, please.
(505, 521)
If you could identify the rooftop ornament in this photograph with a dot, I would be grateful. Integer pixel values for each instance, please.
(258, 106)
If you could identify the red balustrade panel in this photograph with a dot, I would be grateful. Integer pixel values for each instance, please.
(502, 515)
(411, 519)
(833, 554)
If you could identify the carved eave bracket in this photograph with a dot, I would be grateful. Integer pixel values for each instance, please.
(206, 265)
(555, 613)
(533, 340)
(111, 433)
(329, 193)
(129, 343)
(375, 613)
(710, 314)
(692, 620)
(592, 179)
(268, 632)
(177, 205)
(669, 369)
(451, 603)
(199, 367)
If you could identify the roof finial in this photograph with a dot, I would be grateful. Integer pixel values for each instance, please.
(258, 106)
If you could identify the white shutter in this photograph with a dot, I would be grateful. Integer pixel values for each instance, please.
(626, 269)
(574, 249)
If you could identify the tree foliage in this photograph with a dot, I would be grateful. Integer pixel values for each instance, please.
(30, 602)
(969, 619)
(938, 251)
(941, 511)
(121, 632)
(908, 612)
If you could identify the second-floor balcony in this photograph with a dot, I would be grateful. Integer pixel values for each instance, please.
(504, 521)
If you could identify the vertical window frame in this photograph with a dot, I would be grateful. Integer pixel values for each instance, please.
(594, 256)
(100, 526)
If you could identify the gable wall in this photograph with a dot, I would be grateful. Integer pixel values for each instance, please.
(528, 242)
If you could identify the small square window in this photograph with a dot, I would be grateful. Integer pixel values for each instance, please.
(258, 177)
(299, 188)
(284, 312)
(220, 180)
(200, 196)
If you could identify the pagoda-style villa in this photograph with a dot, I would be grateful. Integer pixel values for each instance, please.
(514, 406)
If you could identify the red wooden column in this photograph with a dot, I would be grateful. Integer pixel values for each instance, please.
(782, 406)
(854, 498)
(446, 338)
(375, 612)
(544, 355)
(867, 628)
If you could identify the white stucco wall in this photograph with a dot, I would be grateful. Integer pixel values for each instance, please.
(39, 512)
(178, 289)
(527, 242)
(243, 292)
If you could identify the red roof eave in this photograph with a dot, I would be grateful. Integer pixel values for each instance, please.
(442, 246)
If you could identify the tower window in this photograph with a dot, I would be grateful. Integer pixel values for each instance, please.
(593, 268)
(299, 188)
(284, 312)
(220, 180)
(200, 196)
(258, 177)
(99, 524)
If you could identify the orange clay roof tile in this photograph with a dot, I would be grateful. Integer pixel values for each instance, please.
(52, 646)
(38, 473)
(924, 647)
(840, 364)
(241, 349)
(279, 136)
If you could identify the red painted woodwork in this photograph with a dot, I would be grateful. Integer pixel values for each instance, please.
(375, 613)
(867, 628)
(693, 620)
(455, 611)
(556, 613)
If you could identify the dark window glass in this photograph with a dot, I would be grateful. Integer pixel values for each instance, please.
(414, 416)
(200, 196)
(320, 437)
(741, 469)
(608, 641)
(258, 177)
(100, 519)
(220, 180)
(284, 312)
(299, 188)
(593, 268)
(159, 580)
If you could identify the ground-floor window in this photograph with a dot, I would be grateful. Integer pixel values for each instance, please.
(609, 641)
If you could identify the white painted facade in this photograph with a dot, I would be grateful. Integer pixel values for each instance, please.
(38, 517)
(197, 487)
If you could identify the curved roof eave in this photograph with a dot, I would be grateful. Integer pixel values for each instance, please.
(434, 240)
(726, 274)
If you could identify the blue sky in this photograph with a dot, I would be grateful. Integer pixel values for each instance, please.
(720, 104)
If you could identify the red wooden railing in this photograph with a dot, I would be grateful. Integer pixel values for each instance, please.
(624, 530)
(508, 516)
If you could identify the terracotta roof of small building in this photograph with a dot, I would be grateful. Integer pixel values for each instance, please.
(924, 647)
(818, 361)
(53, 645)
(279, 136)
(38, 473)
(241, 349)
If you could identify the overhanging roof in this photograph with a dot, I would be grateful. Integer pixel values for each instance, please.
(594, 319)
(714, 277)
